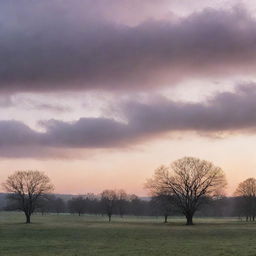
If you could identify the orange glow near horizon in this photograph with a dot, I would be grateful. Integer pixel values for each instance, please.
(130, 168)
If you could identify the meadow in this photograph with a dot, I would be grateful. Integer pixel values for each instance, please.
(70, 235)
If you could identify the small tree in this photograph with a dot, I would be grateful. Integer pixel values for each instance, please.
(92, 203)
(163, 205)
(108, 202)
(122, 200)
(246, 191)
(137, 206)
(188, 180)
(44, 204)
(58, 205)
(26, 188)
(77, 205)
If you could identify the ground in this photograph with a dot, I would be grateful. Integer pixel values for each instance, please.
(68, 235)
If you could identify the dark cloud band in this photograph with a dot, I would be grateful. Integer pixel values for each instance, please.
(225, 112)
(55, 46)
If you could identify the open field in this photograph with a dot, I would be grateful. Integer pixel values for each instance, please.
(68, 235)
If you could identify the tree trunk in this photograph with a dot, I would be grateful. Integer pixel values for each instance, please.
(165, 218)
(27, 218)
(189, 218)
(109, 217)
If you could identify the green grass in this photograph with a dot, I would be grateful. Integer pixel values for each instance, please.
(67, 235)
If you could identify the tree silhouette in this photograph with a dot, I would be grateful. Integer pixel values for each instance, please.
(108, 202)
(188, 180)
(246, 191)
(26, 188)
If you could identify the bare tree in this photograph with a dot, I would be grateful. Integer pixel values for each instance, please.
(188, 180)
(44, 204)
(138, 207)
(246, 190)
(108, 202)
(26, 188)
(77, 205)
(163, 205)
(122, 200)
(58, 205)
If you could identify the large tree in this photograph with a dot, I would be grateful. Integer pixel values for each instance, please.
(246, 191)
(26, 189)
(188, 181)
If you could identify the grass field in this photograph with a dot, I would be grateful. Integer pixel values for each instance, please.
(67, 235)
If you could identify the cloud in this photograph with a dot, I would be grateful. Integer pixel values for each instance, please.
(5, 101)
(225, 112)
(78, 45)
(52, 107)
(30, 103)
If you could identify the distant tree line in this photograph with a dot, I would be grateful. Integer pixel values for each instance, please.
(133, 205)
(109, 202)
(189, 187)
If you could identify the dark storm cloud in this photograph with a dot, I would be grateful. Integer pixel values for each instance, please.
(74, 45)
(225, 112)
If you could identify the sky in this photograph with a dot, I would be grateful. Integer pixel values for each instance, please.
(99, 93)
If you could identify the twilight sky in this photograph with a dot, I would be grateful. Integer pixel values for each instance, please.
(99, 93)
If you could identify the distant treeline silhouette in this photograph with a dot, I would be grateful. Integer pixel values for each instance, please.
(189, 187)
(130, 206)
